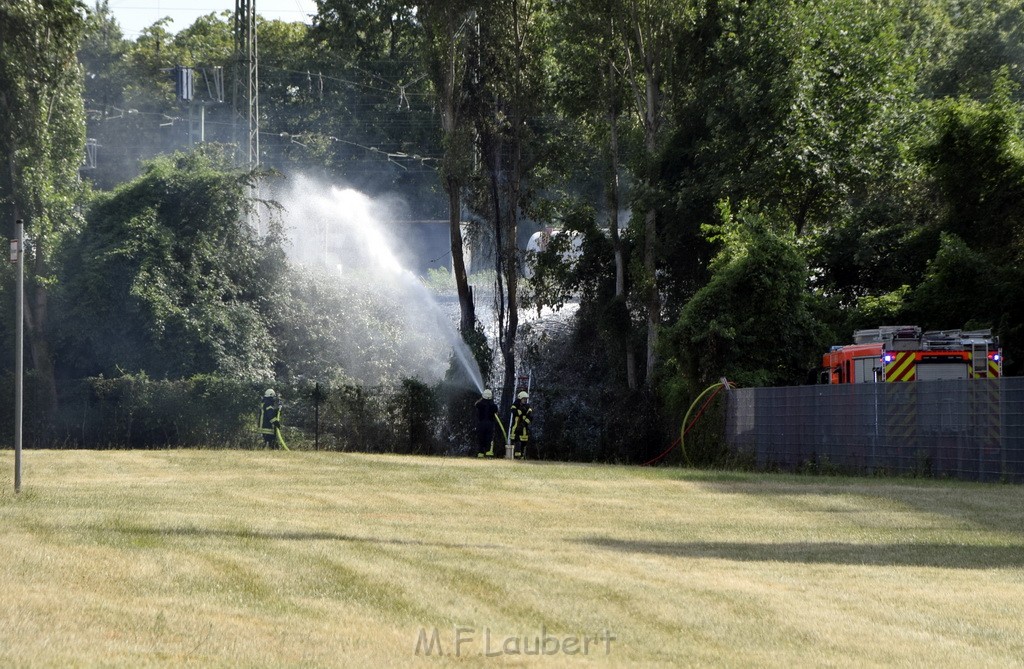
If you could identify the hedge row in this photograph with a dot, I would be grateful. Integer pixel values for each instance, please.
(216, 412)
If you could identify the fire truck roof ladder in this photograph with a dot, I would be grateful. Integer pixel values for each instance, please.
(982, 335)
(941, 340)
(886, 333)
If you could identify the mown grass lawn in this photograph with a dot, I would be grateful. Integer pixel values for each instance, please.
(259, 558)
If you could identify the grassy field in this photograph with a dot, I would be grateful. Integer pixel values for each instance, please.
(234, 558)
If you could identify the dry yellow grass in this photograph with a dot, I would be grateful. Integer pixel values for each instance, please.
(231, 558)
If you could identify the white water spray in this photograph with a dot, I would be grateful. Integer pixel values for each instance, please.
(341, 229)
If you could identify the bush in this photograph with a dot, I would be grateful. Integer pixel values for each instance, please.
(134, 411)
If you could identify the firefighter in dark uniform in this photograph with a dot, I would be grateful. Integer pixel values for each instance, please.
(522, 415)
(270, 419)
(486, 416)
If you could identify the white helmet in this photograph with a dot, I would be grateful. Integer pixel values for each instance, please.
(523, 395)
(270, 393)
(487, 394)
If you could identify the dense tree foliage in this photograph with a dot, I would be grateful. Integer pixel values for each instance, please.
(754, 321)
(169, 279)
(41, 142)
(976, 163)
(510, 128)
(591, 92)
(751, 180)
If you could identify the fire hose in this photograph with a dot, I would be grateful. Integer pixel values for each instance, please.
(714, 389)
(504, 436)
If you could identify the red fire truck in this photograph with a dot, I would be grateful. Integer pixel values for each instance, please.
(897, 353)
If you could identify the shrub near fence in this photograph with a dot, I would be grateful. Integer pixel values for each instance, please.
(137, 412)
(221, 412)
(407, 419)
(210, 411)
(971, 430)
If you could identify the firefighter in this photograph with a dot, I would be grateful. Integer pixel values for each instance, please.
(522, 415)
(270, 419)
(486, 417)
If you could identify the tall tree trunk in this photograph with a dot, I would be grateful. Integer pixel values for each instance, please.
(512, 244)
(35, 303)
(653, 297)
(647, 45)
(508, 100)
(504, 196)
(651, 128)
(450, 91)
(39, 346)
(503, 294)
(453, 187)
(467, 309)
(613, 222)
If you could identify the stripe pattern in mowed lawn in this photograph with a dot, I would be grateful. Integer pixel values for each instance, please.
(241, 558)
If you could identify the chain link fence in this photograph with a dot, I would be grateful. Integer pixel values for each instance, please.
(970, 430)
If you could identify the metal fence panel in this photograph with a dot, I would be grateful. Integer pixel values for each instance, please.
(965, 429)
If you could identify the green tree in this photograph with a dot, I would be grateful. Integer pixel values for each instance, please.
(754, 321)
(810, 109)
(449, 28)
(591, 92)
(102, 53)
(512, 95)
(169, 280)
(649, 31)
(963, 287)
(292, 95)
(976, 162)
(978, 39)
(976, 167)
(379, 115)
(42, 137)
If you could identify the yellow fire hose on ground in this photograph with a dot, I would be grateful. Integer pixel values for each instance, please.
(280, 438)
